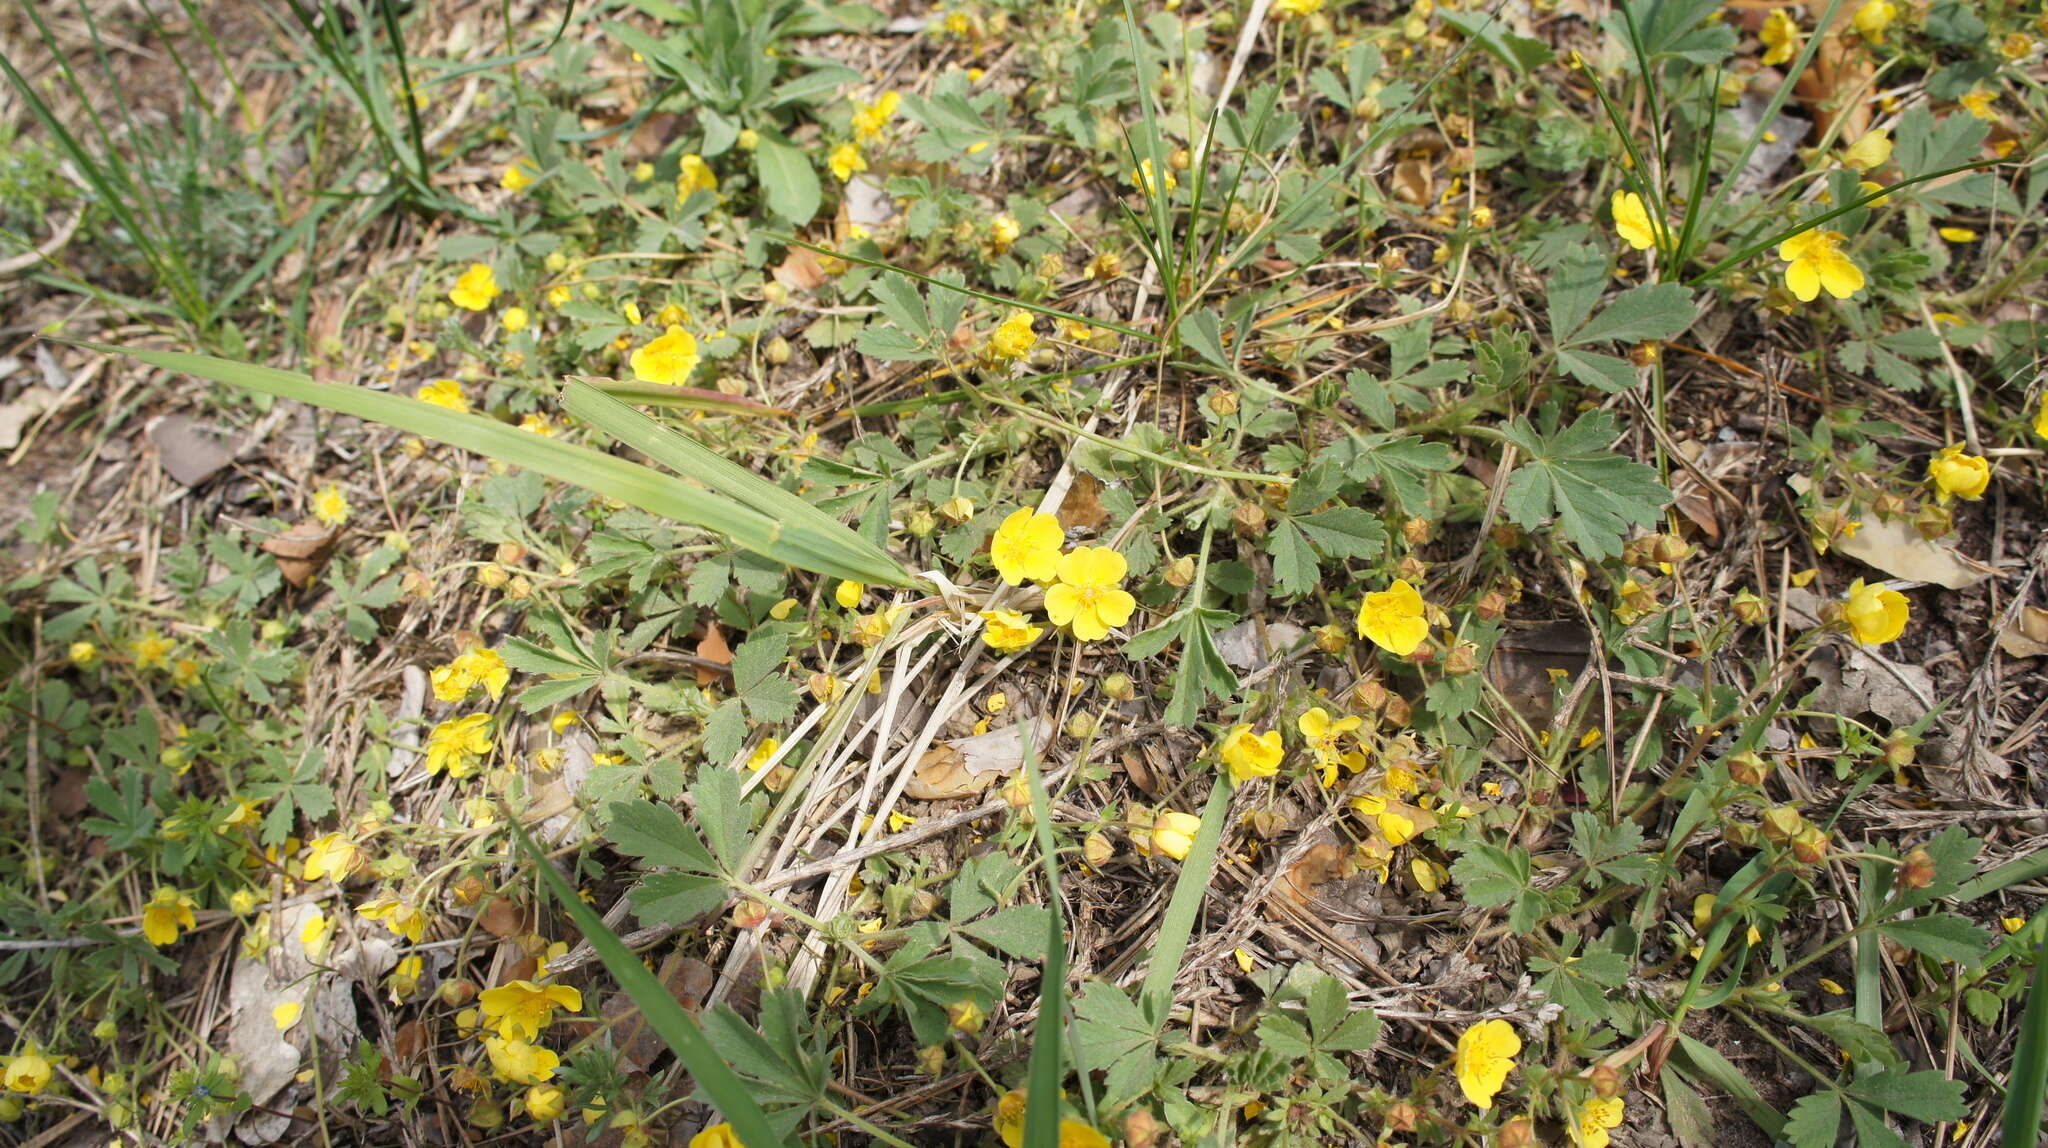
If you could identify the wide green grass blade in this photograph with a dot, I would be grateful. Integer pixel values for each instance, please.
(1048, 1062)
(2027, 1081)
(678, 1028)
(629, 482)
(1156, 998)
(799, 524)
(682, 398)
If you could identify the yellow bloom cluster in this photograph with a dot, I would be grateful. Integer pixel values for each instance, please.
(1086, 591)
(474, 667)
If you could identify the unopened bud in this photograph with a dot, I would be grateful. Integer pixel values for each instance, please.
(1740, 834)
(1933, 521)
(1669, 548)
(1223, 402)
(775, 293)
(519, 588)
(1898, 749)
(1463, 659)
(1332, 639)
(1181, 159)
(957, 509)
(468, 890)
(1415, 530)
(1411, 569)
(1181, 570)
(458, 992)
(777, 351)
(1517, 1133)
(1606, 1081)
(966, 1016)
(1097, 850)
(1081, 725)
(922, 523)
(492, 575)
(1749, 609)
(1492, 606)
(1403, 1117)
(1748, 768)
(1916, 871)
(1141, 1128)
(1781, 823)
(749, 914)
(510, 553)
(1017, 793)
(1645, 354)
(1119, 687)
(777, 778)
(1810, 845)
(1249, 518)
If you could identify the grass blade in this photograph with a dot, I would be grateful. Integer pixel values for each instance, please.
(726, 1091)
(798, 522)
(2028, 1079)
(627, 481)
(1179, 922)
(1048, 1064)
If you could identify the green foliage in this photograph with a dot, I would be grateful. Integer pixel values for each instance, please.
(1572, 476)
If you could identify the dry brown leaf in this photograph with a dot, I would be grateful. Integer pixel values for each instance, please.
(301, 550)
(712, 648)
(504, 917)
(800, 270)
(2027, 636)
(188, 454)
(1082, 507)
(967, 766)
(1414, 181)
(1323, 863)
(1897, 549)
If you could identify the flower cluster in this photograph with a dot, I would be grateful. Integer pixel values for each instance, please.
(1084, 586)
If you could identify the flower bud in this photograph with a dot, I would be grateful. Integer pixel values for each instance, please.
(1415, 530)
(749, 139)
(777, 351)
(1463, 659)
(1411, 568)
(492, 575)
(1916, 870)
(1097, 850)
(1517, 1133)
(1181, 570)
(749, 914)
(1222, 402)
(519, 588)
(1740, 834)
(1141, 1128)
(1748, 768)
(1119, 687)
(1081, 725)
(1249, 518)
(1332, 639)
(775, 293)
(510, 554)
(1781, 823)
(966, 1016)
(1810, 845)
(457, 992)
(1932, 521)
(1403, 1117)
(922, 522)
(1493, 605)
(1606, 1081)
(1017, 793)
(1898, 749)
(1749, 609)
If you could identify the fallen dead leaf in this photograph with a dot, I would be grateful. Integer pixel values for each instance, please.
(1854, 681)
(712, 648)
(188, 454)
(1323, 863)
(1082, 507)
(1245, 647)
(504, 917)
(968, 766)
(17, 415)
(1413, 181)
(800, 270)
(1897, 549)
(2027, 636)
(301, 550)
(687, 979)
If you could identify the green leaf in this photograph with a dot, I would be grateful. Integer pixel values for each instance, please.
(1484, 27)
(1295, 570)
(1863, 1043)
(1018, 930)
(1345, 532)
(789, 179)
(1651, 311)
(1575, 287)
(2027, 1082)
(1814, 1120)
(1605, 373)
(1687, 1113)
(1943, 937)
(1572, 476)
(1491, 875)
(1203, 331)
(1926, 1096)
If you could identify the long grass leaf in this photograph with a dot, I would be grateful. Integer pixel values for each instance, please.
(2028, 1079)
(800, 523)
(676, 1027)
(1048, 1038)
(629, 482)
(1179, 922)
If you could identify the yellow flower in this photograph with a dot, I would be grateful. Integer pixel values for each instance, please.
(1392, 619)
(1485, 1056)
(1956, 234)
(405, 979)
(402, 919)
(1009, 1118)
(845, 160)
(848, 593)
(763, 753)
(668, 359)
(444, 393)
(1014, 338)
(83, 654)
(1874, 17)
(534, 422)
(521, 1009)
(1008, 631)
(1325, 737)
(870, 119)
(1592, 1120)
(1074, 1133)
(1294, 9)
(1780, 36)
(517, 1062)
(1250, 755)
(560, 296)
(514, 319)
(1832, 988)
(2012, 924)
(287, 1014)
(476, 666)
(458, 745)
(716, 1136)
(1173, 834)
(1868, 187)
(28, 1073)
(244, 901)
(315, 934)
(1088, 595)
(167, 912)
(1147, 182)
(475, 289)
(1871, 150)
(515, 180)
(544, 1102)
(1632, 221)
(1875, 614)
(1003, 230)
(1816, 263)
(693, 175)
(153, 651)
(329, 506)
(332, 856)
(1959, 475)
(2041, 417)
(1978, 103)
(1027, 546)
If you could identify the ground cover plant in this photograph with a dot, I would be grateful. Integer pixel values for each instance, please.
(745, 572)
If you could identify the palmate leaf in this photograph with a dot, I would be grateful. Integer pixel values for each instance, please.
(1592, 493)
(754, 513)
